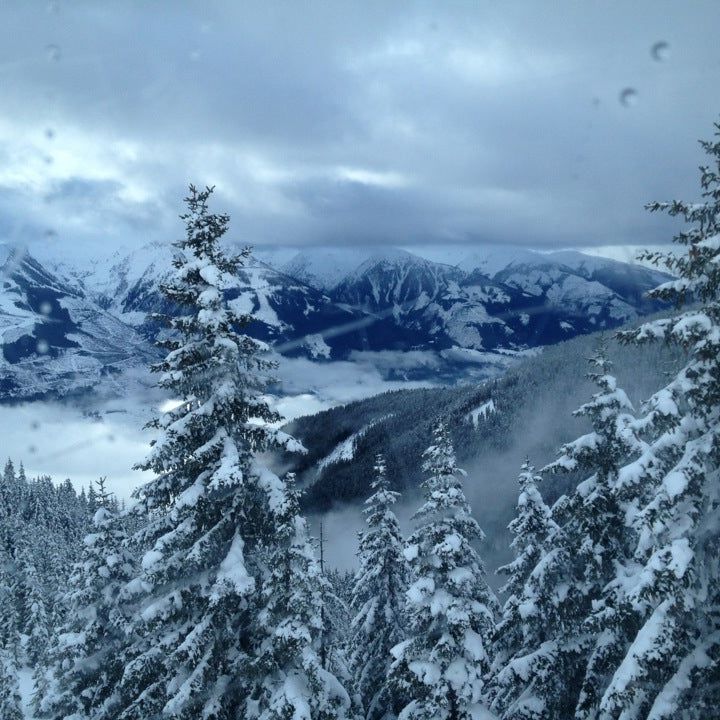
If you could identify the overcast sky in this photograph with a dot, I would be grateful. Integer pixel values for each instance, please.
(403, 123)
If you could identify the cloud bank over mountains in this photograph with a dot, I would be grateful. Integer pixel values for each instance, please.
(353, 123)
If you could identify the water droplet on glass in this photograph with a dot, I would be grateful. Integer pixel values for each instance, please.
(629, 97)
(660, 51)
(45, 309)
(195, 55)
(34, 425)
(52, 52)
(42, 347)
(49, 133)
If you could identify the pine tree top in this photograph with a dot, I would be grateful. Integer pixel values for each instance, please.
(378, 505)
(530, 502)
(697, 267)
(439, 458)
(613, 437)
(698, 270)
(219, 374)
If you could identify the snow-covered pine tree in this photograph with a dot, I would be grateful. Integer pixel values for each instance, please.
(597, 526)
(92, 501)
(378, 601)
(210, 505)
(556, 672)
(10, 706)
(13, 498)
(288, 678)
(42, 506)
(9, 477)
(337, 617)
(34, 619)
(671, 667)
(531, 528)
(83, 502)
(438, 671)
(8, 491)
(9, 620)
(337, 588)
(87, 655)
(10, 625)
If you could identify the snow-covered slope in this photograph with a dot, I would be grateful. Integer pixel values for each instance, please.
(629, 280)
(288, 312)
(109, 278)
(491, 259)
(494, 299)
(55, 339)
(324, 268)
(394, 279)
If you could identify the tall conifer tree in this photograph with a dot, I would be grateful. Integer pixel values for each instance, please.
(670, 592)
(553, 673)
(439, 670)
(378, 600)
(531, 529)
(211, 504)
(288, 679)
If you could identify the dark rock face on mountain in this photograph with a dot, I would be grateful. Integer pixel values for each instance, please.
(520, 303)
(494, 425)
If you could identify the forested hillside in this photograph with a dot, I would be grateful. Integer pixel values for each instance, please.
(493, 425)
(42, 524)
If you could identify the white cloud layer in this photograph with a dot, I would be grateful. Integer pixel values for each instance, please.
(353, 123)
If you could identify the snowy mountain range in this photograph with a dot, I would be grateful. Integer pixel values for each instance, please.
(66, 327)
(55, 339)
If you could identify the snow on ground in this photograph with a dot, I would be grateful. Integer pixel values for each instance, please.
(25, 684)
(317, 346)
(483, 411)
(346, 449)
(262, 290)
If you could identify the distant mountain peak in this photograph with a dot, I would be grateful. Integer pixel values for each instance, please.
(491, 259)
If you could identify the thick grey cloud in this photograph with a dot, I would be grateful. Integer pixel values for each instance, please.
(404, 123)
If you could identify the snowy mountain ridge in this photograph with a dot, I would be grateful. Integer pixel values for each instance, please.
(55, 339)
(65, 326)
